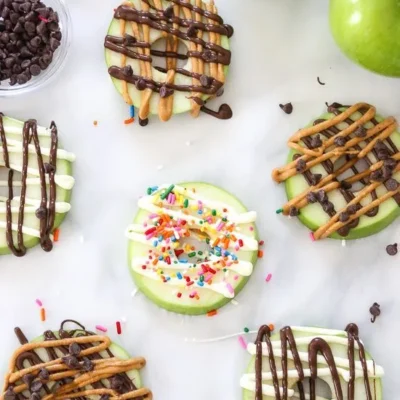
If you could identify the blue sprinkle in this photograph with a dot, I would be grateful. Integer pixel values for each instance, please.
(179, 275)
(168, 278)
(226, 253)
(160, 238)
(132, 111)
(200, 212)
(161, 258)
(173, 239)
(200, 283)
(183, 261)
(218, 249)
(154, 188)
(155, 243)
(234, 257)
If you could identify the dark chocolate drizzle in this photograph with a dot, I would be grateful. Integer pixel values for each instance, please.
(166, 21)
(33, 358)
(47, 212)
(317, 346)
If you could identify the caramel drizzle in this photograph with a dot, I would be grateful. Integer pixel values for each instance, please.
(29, 134)
(316, 346)
(171, 27)
(92, 345)
(329, 151)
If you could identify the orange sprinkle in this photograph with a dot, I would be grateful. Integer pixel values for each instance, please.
(129, 121)
(95, 123)
(56, 234)
(42, 314)
(212, 313)
(216, 241)
(226, 244)
(271, 327)
(260, 253)
(155, 261)
(234, 238)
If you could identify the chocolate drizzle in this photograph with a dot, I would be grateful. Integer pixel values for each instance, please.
(48, 201)
(199, 27)
(317, 346)
(71, 356)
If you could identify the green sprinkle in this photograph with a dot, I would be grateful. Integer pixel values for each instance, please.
(149, 191)
(208, 241)
(201, 278)
(225, 219)
(200, 253)
(167, 192)
(201, 222)
(186, 203)
(280, 211)
(247, 330)
(214, 212)
(192, 254)
(224, 270)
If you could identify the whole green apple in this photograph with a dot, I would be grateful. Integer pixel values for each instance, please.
(368, 32)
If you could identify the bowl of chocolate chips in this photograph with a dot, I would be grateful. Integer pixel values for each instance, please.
(34, 39)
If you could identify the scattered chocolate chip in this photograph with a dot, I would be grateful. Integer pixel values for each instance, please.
(316, 141)
(140, 84)
(375, 311)
(28, 379)
(74, 349)
(143, 122)
(383, 154)
(376, 175)
(87, 365)
(71, 362)
(48, 168)
(328, 206)
(345, 185)
(352, 209)
(340, 141)
(169, 12)
(287, 108)
(205, 80)
(44, 374)
(192, 31)
(36, 386)
(319, 81)
(311, 197)
(315, 178)
(322, 196)
(390, 163)
(344, 216)
(293, 212)
(391, 249)
(361, 132)
(10, 394)
(116, 382)
(344, 230)
(34, 69)
(209, 56)
(391, 184)
(34, 396)
(301, 165)
(127, 70)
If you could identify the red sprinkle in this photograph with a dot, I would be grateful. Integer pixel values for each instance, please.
(261, 242)
(212, 313)
(179, 295)
(118, 325)
(190, 283)
(240, 242)
(178, 252)
(129, 121)
(151, 230)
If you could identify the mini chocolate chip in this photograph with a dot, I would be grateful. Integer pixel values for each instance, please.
(41, 28)
(301, 165)
(74, 349)
(344, 216)
(30, 27)
(25, 64)
(328, 206)
(316, 141)
(14, 17)
(36, 386)
(48, 168)
(18, 28)
(376, 175)
(204, 80)
(21, 79)
(25, 7)
(345, 185)
(141, 84)
(375, 311)
(391, 249)
(340, 141)
(352, 209)
(165, 92)
(287, 108)
(87, 365)
(143, 122)
(28, 379)
(129, 40)
(44, 374)
(43, 11)
(192, 31)
(116, 382)
(54, 44)
(315, 178)
(390, 163)
(71, 362)
(322, 196)
(360, 132)
(311, 197)
(34, 396)
(34, 69)
(293, 212)
(10, 394)
(344, 230)
(209, 56)
(9, 62)
(169, 12)
(392, 184)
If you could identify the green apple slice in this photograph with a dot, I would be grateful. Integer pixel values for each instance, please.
(181, 102)
(165, 295)
(64, 184)
(313, 216)
(338, 350)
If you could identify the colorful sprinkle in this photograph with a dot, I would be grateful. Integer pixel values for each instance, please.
(246, 330)
(167, 192)
(95, 123)
(129, 121)
(230, 288)
(38, 302)
(101, 328)
(280, 211)
(132, 111)
(268, 278)
(260, 254)
(312, 237)
(212, 313)
(56, 235)
(242, 342)
(261, 242)
(43, 19)
(179, 295)
(118, 326)
(271, 327)
(42, 314)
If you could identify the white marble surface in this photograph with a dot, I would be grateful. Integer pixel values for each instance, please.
(279, 49)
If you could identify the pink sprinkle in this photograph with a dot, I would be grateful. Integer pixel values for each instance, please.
(208, 277)
(268, 278)
(312, 236)
(230, 288)
(39, 303)
(101, 328)
(193, 294)
(148, 237)
(152, 216)
(236, 277)
(237, 248)
(251, 228)
(43, 19)
(220, 226)
(242, 342)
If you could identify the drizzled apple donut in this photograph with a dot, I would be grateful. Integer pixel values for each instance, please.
(342, 177)
(192, 247)
(36, 182)
(288, 364)
(72, 364)
(169, 89)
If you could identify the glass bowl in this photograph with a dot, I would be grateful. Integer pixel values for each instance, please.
(59, 56)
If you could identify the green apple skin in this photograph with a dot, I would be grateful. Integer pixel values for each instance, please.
(368, 32)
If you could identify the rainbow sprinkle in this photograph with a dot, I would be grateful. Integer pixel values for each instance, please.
(268, 278)
(312, 236)
(39, 302)
(242, 342)
(101, 328)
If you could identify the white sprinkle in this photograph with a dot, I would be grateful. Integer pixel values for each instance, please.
(234, 302)
(343, 243)
(123, 320)
(134, 292)
(160, 167)
(188, 143)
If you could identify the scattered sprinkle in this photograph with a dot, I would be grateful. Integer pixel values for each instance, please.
(43, 19)
(42, 314)
(268, 278)
(391, 249)
(260, 254)
(56, 235)
(242, 342)
(38, 302)
(261, 243)
(95, 123)
(279, 211)
(129, 121)
(312, 236)
(132, 111)
(319, 81)
(101, 328)
(118, 326)
(246, 329)
(271, 327)
(212, 313)
(375, 311)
